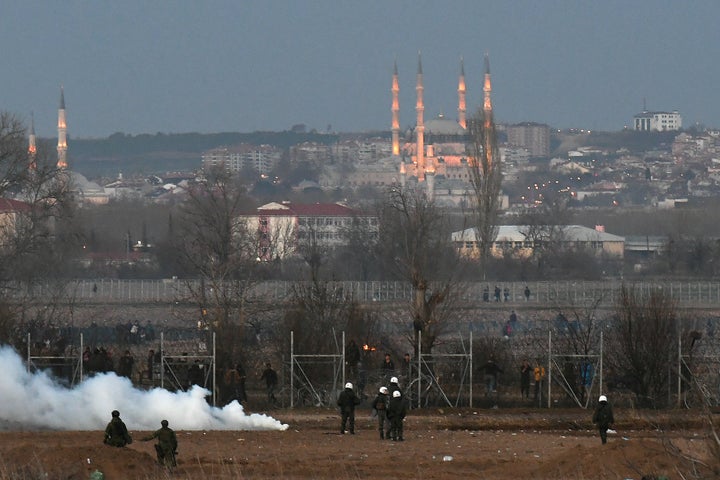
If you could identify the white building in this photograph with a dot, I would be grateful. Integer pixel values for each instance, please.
(283, 227)
(657, 121)
(521, 240)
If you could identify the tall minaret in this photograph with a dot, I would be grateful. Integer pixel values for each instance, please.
(487, 111)
(487, 89)
(32, 148)
(395, 112)
(62, 134)
(461, 96)
(420, 126)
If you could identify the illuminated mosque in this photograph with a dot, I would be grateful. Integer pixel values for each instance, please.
(437, 147)
(84, 190)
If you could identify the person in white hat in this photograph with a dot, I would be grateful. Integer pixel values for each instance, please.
(603, 417)
(396, 414)
(347, 400)
(379, 405)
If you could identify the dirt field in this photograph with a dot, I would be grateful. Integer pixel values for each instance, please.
(439, 444)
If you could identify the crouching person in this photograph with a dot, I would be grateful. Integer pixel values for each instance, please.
(397, 409)
(166, 446)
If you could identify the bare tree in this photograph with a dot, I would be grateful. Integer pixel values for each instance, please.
(358, 255)
(415, 246)
(38, 235)
(215, 246)
(485, 171)
(643, 339)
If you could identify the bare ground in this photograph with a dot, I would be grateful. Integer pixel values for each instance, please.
(439, 444)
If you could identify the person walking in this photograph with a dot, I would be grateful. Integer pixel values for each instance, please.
(525, 371)
(166, 446)
(116, 433)
(491, 370)
(397, 409)
(347, 401)
(539, 373)
(379, 406)
(603, 417)
(271, 381)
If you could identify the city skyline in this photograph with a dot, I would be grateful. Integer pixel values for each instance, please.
(222, 66)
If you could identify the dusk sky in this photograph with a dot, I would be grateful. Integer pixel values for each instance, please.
(232, 65)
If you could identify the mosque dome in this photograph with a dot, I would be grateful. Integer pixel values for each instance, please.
(443, 126)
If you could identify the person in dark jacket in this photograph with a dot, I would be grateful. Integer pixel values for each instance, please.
(397, 409)
(347, 401)
(116, 433)
(166, 447)
(379, 405)
(525, 371)
(603, 417)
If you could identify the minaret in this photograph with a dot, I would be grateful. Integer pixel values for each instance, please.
(430, 184)
(487, 89)
(32, 148)
(420, 126)
(62, 134)
(487, 112)
(461, 96)
(395, 112)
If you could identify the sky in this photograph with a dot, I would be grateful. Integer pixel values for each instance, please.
(179, 66)
(38, 401)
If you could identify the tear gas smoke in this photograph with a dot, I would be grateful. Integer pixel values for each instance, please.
(38, 401)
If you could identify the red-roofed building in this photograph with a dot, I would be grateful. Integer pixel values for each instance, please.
(282, 227)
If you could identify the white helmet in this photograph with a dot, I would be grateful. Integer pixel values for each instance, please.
(396, 393)
(394, 380)
(348, 385)
(602, 398)
(384, 390)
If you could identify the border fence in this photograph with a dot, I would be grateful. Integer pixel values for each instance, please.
(698, 293)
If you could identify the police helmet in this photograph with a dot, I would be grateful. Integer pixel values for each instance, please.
(348, 385)
(394, 380)
(115, 413)
(602, 398)
(384, 390)
(164, 423)
(396, 393)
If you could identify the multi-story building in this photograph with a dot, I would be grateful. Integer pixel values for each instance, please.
(313, 152)
(535, 137)
(261, 158)
(284, 227)
(657, 121)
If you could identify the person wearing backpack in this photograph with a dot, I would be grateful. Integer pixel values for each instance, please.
(603, 417)
(379, 405)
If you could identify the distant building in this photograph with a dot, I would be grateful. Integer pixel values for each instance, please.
(12, 215)
(261, 158)
(535, 137)
(284, 227)
(521, 240)
(657, 121)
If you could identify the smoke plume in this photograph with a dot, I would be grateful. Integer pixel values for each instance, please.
(36, 400)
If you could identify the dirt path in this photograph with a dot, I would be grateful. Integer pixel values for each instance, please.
(439, 445)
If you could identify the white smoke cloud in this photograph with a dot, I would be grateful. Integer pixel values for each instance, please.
(38, 401)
